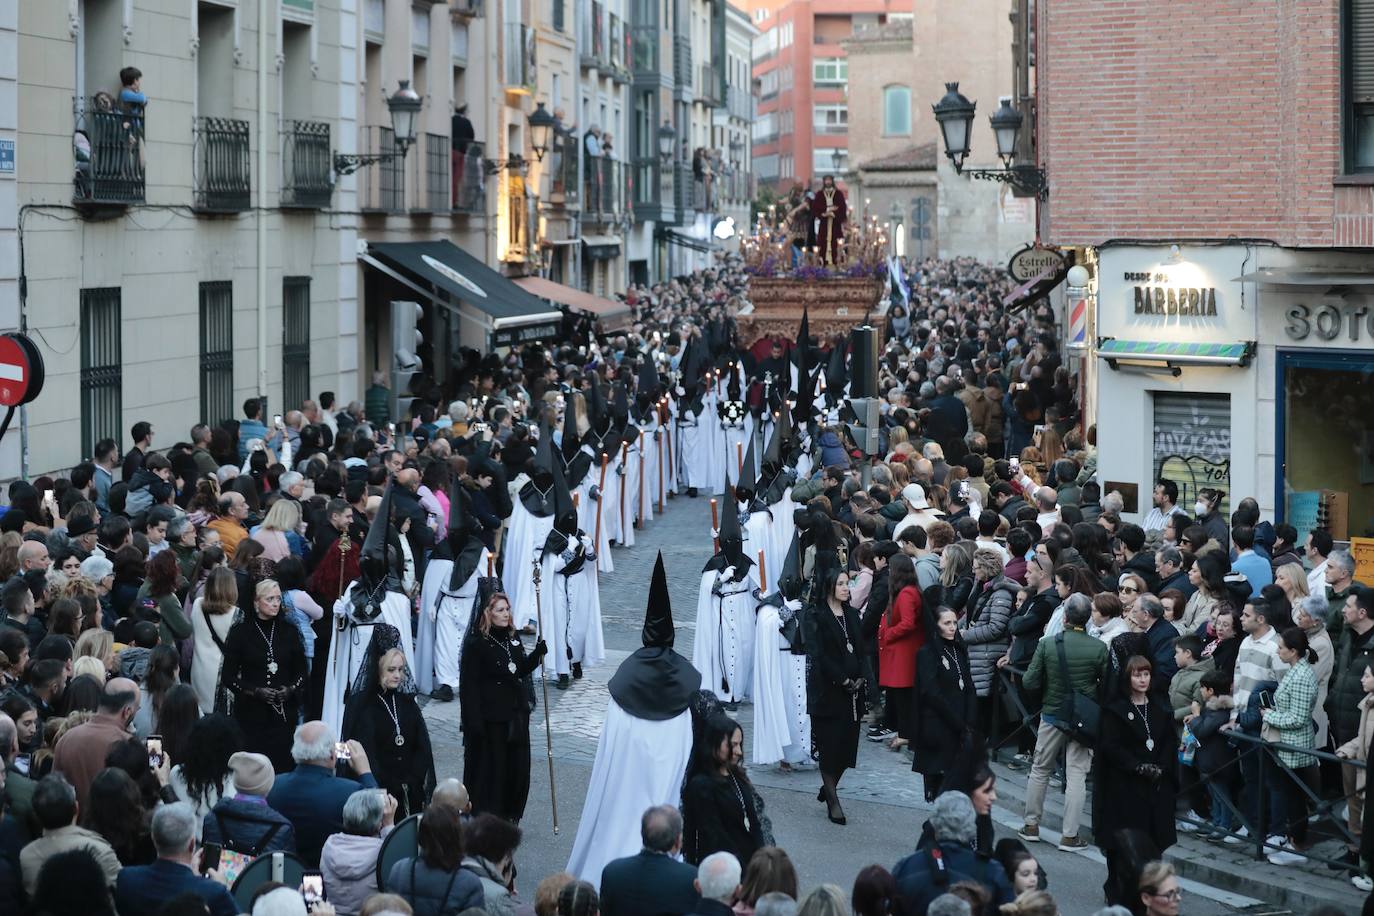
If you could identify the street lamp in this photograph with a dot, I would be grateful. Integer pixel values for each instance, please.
(954, 113)
(541, 124)
(404, 106)
(666, 136)
(836, 159)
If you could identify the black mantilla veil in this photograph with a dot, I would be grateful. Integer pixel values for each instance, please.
(706, 707)
(385, 637)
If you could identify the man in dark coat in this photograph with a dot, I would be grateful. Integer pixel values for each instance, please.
(947, 421)
(653, 880)
(928, 873)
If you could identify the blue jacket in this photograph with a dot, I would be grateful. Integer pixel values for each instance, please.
(250, 429)
(924, 875)
(647, 883)
(145, 888)
(312, 798)
(431, 892)
(1256, 569)
(248, 826)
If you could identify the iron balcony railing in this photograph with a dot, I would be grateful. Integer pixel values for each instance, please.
(222, 166)
(307, 167)
(381, 187)
(682, 61)
(739, 102)
(469, 181)
(432, 156)
(107, 145)
(563, 162)
(709, 91)
(604, 186)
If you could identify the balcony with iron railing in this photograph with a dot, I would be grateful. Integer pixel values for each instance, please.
(469, 180)
(307, 179)
(563, 160)
(432, 170)
(107, 145)
(740, 103)
(381, 187)
(603, 191)
(708, 90)
(221, 170)
(682, 63)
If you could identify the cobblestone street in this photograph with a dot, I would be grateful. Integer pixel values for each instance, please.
(882, 798)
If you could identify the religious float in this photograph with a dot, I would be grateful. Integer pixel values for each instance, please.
(840, 285)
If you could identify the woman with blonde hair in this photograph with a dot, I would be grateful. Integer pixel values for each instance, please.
(277, 534)
(88, 664)
(97, 644)
(1293, 580)
(1160, 894)
(212, 616)
(1031, 903)
(826, 900)
(1050, 445)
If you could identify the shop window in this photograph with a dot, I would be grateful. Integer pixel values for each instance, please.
(1192, 444)
(1326, 442)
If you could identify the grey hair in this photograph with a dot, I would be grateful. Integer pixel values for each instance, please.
(1171, 555)
(1078, 610)
(1343, 559)
(719, 874)
(1150, 603)
(280, 901)
(174, 826)
(1315, 607)
(949, 905)
(933, 452)
(177, 527)
(775, 903)
(660, 827)
(226, 472)
(458, 411)
(954, 819)
(1112, 502)
(8, 732)
(362, 813)
(289, 480)
(303, 751)
(96, 568)
(826, 900)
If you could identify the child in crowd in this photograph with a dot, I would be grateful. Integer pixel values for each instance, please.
(1215, 756)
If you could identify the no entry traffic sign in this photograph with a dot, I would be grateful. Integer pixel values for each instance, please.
(21, 370)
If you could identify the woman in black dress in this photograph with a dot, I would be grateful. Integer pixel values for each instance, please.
(384, 718)
(947, 700)
(496, 703)
(264, 668)
(834, 684)
(1134, 775)
(718, 811)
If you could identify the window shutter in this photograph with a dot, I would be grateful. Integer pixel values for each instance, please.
(1362, 50)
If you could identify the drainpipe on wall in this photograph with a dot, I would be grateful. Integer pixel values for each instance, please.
(263, 6)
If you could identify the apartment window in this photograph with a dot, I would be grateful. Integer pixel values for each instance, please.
(823, 162)
(766, 167)
(374, 20)
(785, 77)
(419, 29)
(787, 169)
(765, 127)
(830, 71)
(558, 15)
(295, 351)
(216, 351)
(785, 35)
(768, 84)
(102, 374)
(786, 122)
(830, 119)
(760, 15)
(1359, 76)
(896, 111)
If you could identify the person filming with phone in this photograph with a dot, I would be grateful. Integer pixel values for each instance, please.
(177, 871)
(312, 796)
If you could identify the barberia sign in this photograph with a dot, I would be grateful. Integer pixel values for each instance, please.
(1154, 295)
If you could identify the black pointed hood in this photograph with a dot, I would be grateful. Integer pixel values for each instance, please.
(790, 579)
(620, 404)
(749, 470)
(572, 439)
(648, 376)
(543, 453)
(806, 385)
(463, 545)
(732, 387)
(457, 515)
(598, 412)
(655, 682)
(777, 443)
(835, 374)
(562, 496)
(375, 544)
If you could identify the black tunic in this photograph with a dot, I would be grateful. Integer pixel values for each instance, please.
(405, 770)
(267, 729)
(835, 711)
(496, 722)
(1122, 799)
(719, 815)
(948, 710)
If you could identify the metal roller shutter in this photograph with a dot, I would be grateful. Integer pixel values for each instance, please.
(1192, 444)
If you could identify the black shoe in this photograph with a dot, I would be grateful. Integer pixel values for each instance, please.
(732, 706)
(692, 492)
(833, 810)
(577, 671)
(563, 682)
(443, 693)
(820, 794)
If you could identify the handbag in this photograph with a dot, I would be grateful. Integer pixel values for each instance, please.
(1078, 715)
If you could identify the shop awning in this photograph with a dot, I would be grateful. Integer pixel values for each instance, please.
(447, 274)
(1171, 355)
(1308, 276)
(601, 247)
(614, 316)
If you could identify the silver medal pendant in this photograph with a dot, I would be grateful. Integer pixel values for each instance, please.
(961, 683)
(848, 646)
(271, 667)
(1149, 744)
(511, 666)
(746, 823)
(400, 741)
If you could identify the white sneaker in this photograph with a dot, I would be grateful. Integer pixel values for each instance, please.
(1275, 840)
(1363, 882)
(1185, 827)
(1239, 839)
(1285, 857)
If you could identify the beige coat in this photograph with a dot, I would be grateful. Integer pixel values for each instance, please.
(1357, 748)
(66, 839)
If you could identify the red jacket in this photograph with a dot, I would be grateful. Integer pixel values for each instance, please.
(899, 641)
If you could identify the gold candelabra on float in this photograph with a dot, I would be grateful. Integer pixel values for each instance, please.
(767, 250)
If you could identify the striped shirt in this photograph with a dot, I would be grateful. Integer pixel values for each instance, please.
(1256, 662)
(1155, 518)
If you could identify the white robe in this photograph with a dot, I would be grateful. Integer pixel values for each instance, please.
(572, 614)
(639, 764)
(627, 493)
(723, 649)
(524, 540)
(348, 649)
(782, 726)
(586, 512)
(444, 617)
(693, 452)
(736, 447)
(759, 538)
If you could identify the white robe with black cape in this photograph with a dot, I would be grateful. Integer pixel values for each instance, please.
(782, 726)
(523, 542)
(572, 608)
(444, 615)
(348, 648)
(645, 744)
(723, 649)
